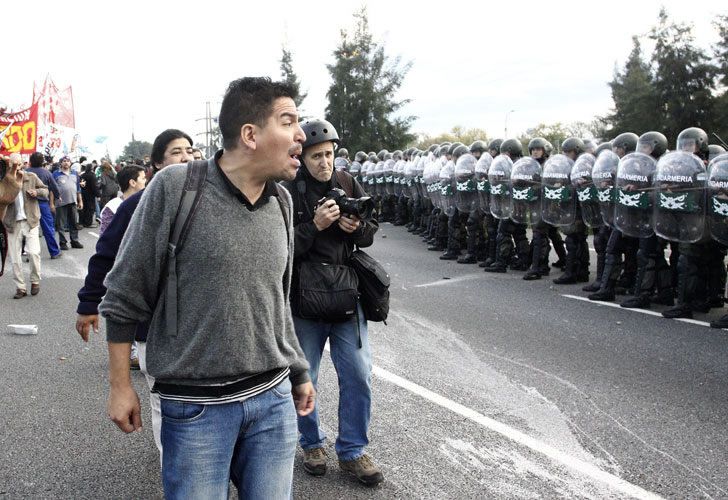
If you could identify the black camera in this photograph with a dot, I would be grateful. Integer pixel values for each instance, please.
(360, 207)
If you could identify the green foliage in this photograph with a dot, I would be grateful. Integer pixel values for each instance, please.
(362, 101)
(289, 76)
(557, 132)
(456, 134)
(135, 149)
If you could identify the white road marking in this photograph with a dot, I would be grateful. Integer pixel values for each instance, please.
(93, 234)
(448, 281)
(578, 465)
(643, 311)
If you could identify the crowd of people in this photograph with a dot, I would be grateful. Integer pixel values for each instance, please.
(636, 197)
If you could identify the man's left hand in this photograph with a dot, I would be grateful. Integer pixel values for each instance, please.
(32, 193)
(349, 223)
(304, 396)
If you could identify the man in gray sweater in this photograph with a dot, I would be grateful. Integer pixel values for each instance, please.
(231, 375)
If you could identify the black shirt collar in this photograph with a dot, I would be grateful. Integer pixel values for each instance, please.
(268, 191)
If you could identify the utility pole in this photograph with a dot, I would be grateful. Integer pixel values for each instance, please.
(505, 135)
(208, 130)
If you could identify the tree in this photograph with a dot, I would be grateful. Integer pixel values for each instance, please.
(135, 149)
(683, 79)
(456, 134)
(362, 101)
(289, 76)
(635, 99)
(720, 51)
(557, 132)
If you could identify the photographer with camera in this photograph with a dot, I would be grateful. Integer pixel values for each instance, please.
(332, 215)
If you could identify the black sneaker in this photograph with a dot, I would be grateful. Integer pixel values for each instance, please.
(638, 302)
(63, 246)
(532, 275)
(679, 311)
(76, 244)
(467, 259)
(722, 322)
(450, 255)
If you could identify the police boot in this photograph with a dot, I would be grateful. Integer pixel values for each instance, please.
(597, 284)
(665, 292)
(468, 258)
(522, 260)
(612, 268)
(644, 283)
(437, 246)
(582, 262)
(572, 263)
(492, 246)
(685, 292)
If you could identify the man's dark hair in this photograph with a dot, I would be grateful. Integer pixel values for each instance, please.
(249, 100)
(127, 174)
(36, 159)
(160, 143)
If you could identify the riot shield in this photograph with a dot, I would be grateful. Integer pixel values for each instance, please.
(407, 178)
(558, 203)
(633, 214)
(679, 213)
(355, 171)
(388, 176)
(481, 182)
(379, 179)
(526, 191)
(466, 196)
(586, 192)
(604, 175)
(447, 198)
(718, 198)
(499, 177)
(432, 180)
(341, 164)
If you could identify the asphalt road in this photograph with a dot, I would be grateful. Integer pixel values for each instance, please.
(485, 386)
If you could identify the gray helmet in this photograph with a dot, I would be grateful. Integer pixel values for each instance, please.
(318, 131)
(495, 145)
(459, 151)
(387, 156)
(453, 146)
(433, 148)
(343, 152)
(573, 144)
(513, 147)
(381, 154)
(715, 150)
(478, 146)
(443, 150)
(696, 136)
(590, 146)
(360, 156)
(653, 144)
(605, 146)
(397, 155)
(372, 157)
(540, 142)
(627, 141)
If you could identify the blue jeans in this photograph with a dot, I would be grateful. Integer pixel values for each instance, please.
(353, 366)
(252, 443)
(47, 225)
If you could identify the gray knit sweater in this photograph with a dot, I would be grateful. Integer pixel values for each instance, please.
(234, 317)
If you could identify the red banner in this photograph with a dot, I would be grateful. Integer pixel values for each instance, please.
(19, 131)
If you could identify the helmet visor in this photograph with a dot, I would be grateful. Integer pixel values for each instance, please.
(687, 144)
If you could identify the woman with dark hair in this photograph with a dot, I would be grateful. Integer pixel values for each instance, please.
(89, 192)
(108, 187)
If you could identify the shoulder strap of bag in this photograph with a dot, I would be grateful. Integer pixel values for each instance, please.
(346, 182)
(191, 193)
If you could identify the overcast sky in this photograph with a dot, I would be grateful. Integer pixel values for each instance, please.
(472, 62)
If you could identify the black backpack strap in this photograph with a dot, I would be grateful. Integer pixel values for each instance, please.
(188, 204)
(346, 182)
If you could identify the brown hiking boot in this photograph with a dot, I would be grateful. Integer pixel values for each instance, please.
(314, 461)
(364, 469)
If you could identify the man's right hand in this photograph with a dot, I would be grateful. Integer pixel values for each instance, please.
(326, 214)
(84, 323)
(124, 409)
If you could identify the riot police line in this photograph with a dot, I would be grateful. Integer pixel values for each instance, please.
(636, 198)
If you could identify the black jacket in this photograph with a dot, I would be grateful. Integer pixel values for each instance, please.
(332, 245)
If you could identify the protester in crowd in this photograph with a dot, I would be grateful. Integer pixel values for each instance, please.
(170, 147)
(231, 375)
(67, 204)
(21, 220)
(108, 186)
(197, 154)
(47, 220)
(11, 180)
(131, 180)
(89, 192)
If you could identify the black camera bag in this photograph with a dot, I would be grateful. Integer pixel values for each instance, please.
(326, 292)
(373, 286)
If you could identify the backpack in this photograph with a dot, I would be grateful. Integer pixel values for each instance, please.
(188, 204)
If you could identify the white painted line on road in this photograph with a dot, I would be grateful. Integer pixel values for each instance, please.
(93, 234)
(643, 311)
(447, 281)
(589, 470)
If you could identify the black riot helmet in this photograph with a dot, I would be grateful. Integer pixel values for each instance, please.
(693, 140)
(605, 146)
(573, 145)
(360, 156)
(381, 154)
(495, 145)
(540, 142)
(715, 150)
(372, 157)
(433, 148)
(627, 142)
(459, 151)
(318, 131)
(512, 147)
(397, 155)
(478, 147)
(443, 150)
(653, 144)
(342, 153)
(387, 156)
(453, 146)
